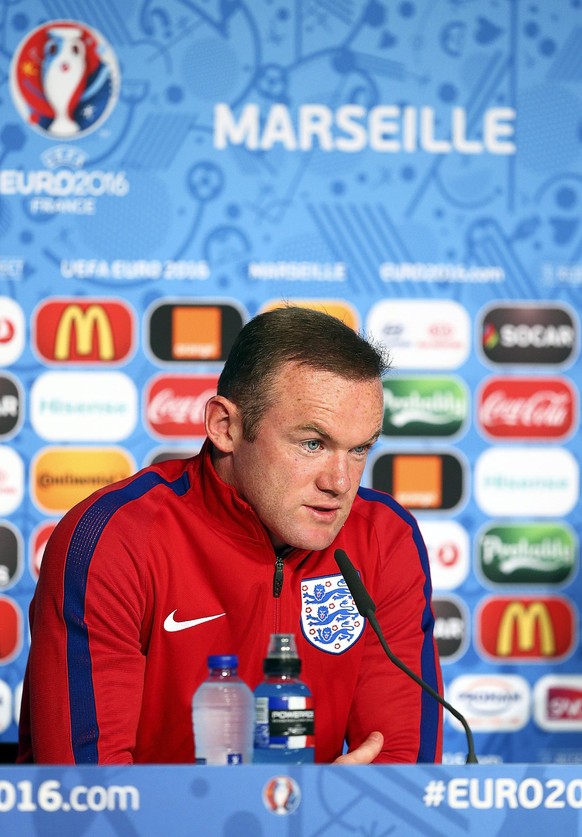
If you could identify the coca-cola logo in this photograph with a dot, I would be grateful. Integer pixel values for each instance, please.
(175, 404)
(542, 408)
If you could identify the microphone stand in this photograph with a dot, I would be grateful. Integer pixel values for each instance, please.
(366, 608)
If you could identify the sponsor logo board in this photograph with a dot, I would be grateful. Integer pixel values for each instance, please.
(432, 481)
(421, 334)
(175, 404)
(11, 551)
(490, 702)
(526, 629)
(447, 543)
(11, 622)
(337, 308)
(11, 480)
(164, 454)
(11, 401)
(513, 481)
(430, 406)
(83, 406)
(529, 334)
(187, 332)
(38, 543)
(84, 331)
(527, 553)
(527, 408)
(558, 703)
(62, 477)
(12, 331)
(451, 630)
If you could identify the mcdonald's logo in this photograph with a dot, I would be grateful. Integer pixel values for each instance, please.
(528, 629)
(84, 331)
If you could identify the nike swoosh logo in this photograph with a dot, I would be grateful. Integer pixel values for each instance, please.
(171, 625)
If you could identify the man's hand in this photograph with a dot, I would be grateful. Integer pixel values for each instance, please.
(365, 753)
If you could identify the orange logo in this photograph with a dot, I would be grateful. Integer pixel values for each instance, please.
(196, 333)
(84, 331)
(62, 477)
(336, 307)
(418, 481)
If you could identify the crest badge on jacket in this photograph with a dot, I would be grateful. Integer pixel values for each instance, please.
(329, 617)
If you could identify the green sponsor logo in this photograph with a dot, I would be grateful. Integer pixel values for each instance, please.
(529, 553)
(432, 406)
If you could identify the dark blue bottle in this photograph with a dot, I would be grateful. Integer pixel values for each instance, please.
(284, 729)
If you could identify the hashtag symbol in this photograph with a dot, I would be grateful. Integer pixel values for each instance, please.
(434, 793)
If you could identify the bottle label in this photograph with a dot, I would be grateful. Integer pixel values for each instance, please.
(284, 722)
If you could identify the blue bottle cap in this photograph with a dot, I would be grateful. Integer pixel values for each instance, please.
(223, 661)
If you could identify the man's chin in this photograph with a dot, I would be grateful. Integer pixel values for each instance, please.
(314, 542)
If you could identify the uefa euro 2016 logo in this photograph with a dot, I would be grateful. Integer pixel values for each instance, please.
(64, 79)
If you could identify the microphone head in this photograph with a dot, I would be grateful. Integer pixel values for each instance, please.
(360, 595)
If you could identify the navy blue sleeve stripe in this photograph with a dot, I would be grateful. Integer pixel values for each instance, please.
(84, 727)
(429, 718)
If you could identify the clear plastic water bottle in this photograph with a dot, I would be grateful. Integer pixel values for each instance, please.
(284, 729)
(223, 715)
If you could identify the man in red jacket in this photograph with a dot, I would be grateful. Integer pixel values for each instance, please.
(145, 578)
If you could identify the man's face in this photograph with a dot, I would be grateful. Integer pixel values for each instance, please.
(302, 471)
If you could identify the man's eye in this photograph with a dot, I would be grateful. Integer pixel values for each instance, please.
(312, 444)
(361, 450)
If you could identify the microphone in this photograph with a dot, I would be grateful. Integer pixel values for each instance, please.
(366, 608)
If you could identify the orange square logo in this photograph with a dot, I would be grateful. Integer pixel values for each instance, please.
(196, 333)
(418, 481)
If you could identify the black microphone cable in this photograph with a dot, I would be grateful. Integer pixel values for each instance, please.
(366, 608)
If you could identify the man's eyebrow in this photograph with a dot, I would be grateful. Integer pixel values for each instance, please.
(314, 428)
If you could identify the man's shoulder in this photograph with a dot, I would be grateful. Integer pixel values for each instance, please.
(383, 512)
(374, 502)
(151, 486)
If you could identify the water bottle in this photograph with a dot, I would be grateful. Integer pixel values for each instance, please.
(284, 729)
(223, 715)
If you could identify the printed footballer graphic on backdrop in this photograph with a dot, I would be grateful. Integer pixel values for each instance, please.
(65, 79)
(329, 616)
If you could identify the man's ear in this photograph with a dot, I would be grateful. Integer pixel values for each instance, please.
(223, 423)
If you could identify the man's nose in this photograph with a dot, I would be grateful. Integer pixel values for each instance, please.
(335, 475)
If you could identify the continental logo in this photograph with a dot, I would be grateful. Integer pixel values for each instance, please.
(527, 553)
(62, 477)
(335, 307)
(431, 406)
(187, 332)
(84, 331)
(527, 629)
(421, 481)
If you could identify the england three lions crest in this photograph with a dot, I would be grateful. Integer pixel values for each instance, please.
(329, 617)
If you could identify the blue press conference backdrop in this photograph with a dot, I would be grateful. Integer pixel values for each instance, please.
(169, 169)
